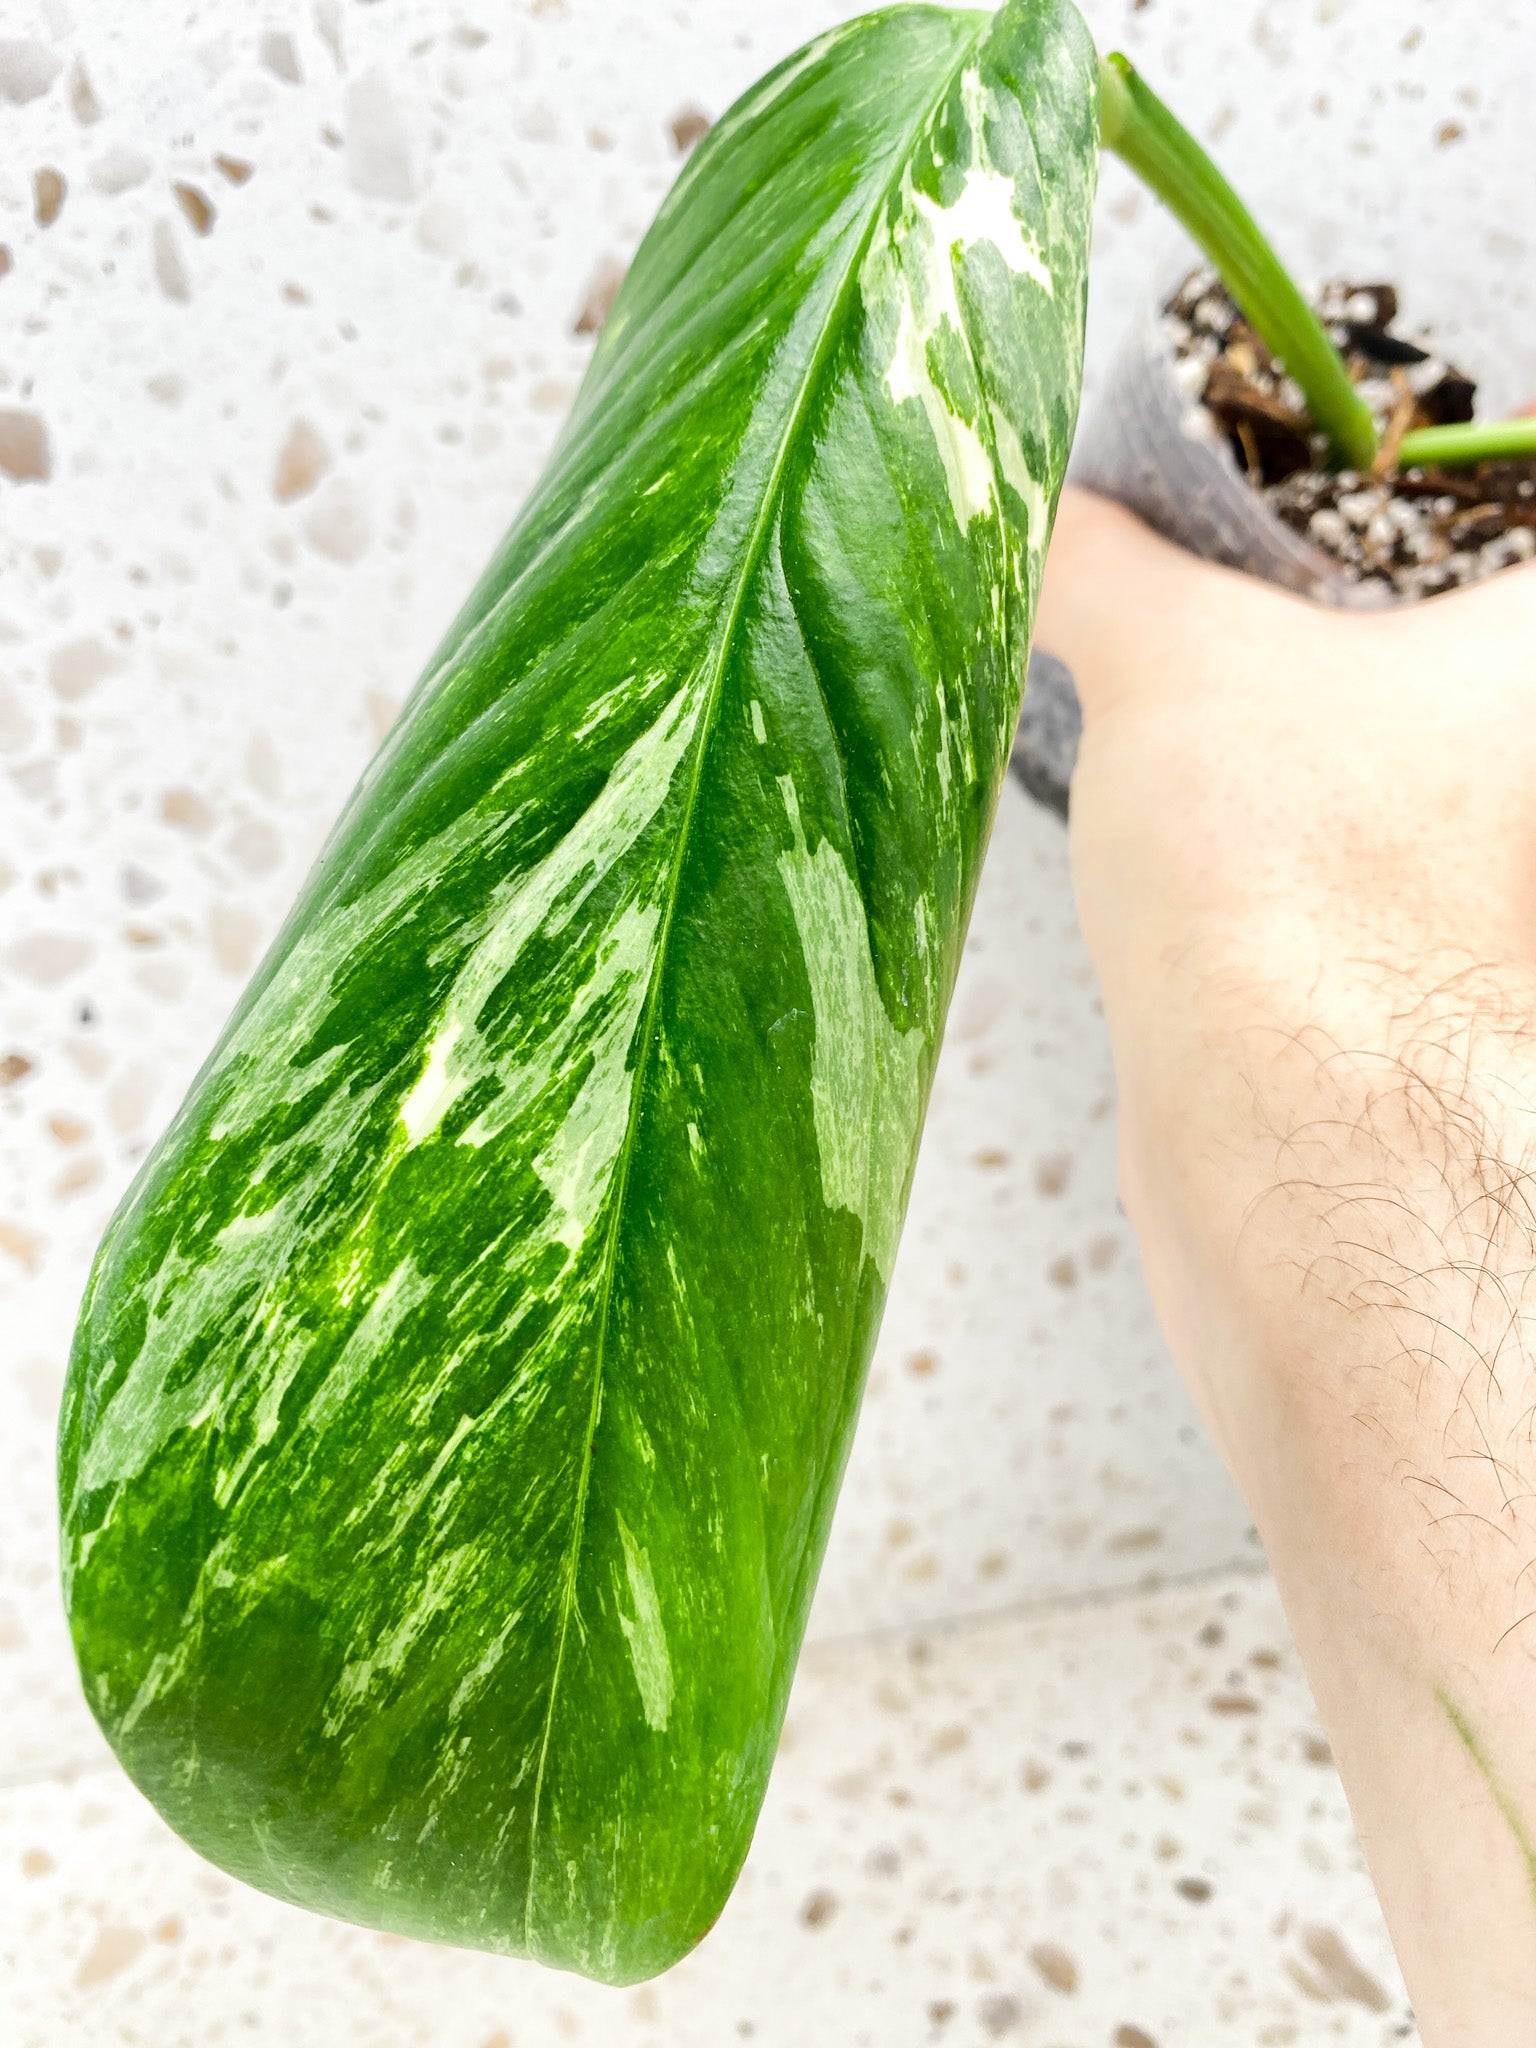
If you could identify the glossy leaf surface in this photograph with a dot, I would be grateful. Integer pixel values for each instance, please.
(463, 1388)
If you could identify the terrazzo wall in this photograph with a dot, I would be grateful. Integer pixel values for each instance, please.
(292, 303)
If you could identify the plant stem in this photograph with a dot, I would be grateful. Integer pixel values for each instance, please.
(1135, 124)
(1475, 441)
(1501, 1798)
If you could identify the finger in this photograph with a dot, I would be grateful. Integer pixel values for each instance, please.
(1130, 612)
(1107, 576)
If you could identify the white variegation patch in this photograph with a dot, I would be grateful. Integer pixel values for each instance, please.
(434, 1594)
(546, 899)
(1020, 478)
(866, 1075)
(984, 212)
(476, 1677)
(405, 1289)
(910, 273)
(576, 1165)
(143, 1412)
(967, 465)
(647, 1638)
(188, 1294)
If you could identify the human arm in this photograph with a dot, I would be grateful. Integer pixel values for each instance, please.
(1304, 852)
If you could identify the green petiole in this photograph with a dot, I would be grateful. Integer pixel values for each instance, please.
(1155, 144)
(1501, 1798)
(1474, 441)
(1135, 124)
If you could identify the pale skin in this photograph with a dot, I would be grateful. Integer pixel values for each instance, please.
(1304, 854)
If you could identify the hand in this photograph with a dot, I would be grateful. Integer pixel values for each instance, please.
(1304, 852)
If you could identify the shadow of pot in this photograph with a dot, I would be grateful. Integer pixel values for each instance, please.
(1156, 449)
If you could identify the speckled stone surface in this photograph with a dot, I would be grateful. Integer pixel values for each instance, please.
(292, 302)
(1091, 1828)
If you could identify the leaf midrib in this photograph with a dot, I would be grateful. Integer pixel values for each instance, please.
(751, 560)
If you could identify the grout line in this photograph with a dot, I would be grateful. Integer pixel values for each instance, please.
(972, 1622)
(980, 1618)
(55, 1774)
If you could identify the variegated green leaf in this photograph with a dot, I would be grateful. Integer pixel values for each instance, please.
(463, 1388)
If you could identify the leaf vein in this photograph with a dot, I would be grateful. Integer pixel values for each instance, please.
(645, 1035)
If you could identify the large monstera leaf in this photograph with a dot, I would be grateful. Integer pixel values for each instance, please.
(462, 1391)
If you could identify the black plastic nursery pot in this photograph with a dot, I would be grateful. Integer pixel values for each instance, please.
(1152, 443)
